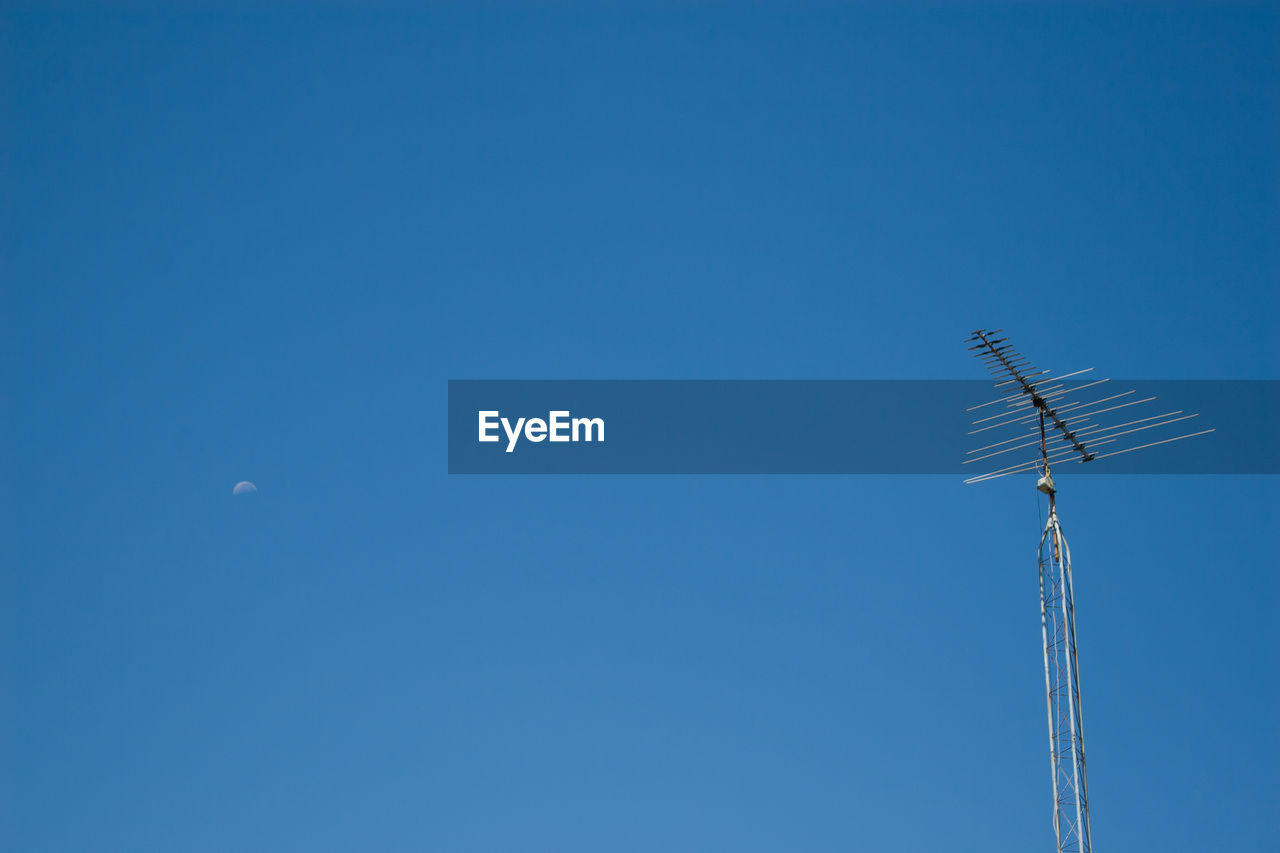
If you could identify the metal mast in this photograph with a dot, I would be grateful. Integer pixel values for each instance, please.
(1062, 677)
(1060, 428)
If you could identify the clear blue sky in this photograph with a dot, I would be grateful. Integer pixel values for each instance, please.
(257, 245)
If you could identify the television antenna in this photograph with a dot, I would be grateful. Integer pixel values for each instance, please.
(1053, 424)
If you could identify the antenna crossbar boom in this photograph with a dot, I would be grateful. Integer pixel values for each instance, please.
(1048, 405)
(1007, 362)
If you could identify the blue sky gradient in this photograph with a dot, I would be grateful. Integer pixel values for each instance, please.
(256, 244)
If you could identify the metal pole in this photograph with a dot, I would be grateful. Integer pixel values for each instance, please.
(1062, 690)
(1062, 675)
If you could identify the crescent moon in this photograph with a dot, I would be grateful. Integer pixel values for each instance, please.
(244, 487)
